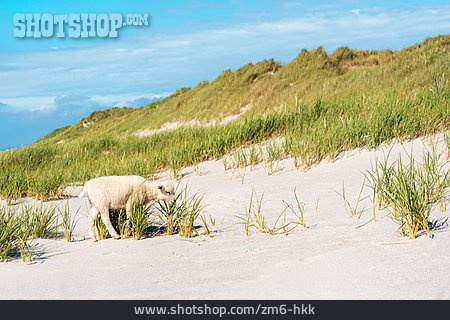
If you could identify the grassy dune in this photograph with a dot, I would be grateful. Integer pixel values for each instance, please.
(322, 104)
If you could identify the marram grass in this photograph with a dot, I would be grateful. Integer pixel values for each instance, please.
(321, 104)
(181, 216)
(68, 221)
(19, 225)
(290, 218)
(411, 189)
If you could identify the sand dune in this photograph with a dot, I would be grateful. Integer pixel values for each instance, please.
(338, 257)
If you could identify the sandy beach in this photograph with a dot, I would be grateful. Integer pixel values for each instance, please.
(337, 257)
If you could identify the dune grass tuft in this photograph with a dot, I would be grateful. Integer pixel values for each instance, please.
(255, 219)
(180, 217)
(209, 225)
(8, 227)
(15, 234)
(298, 210)
(140, 219)
(352, 210)
(68, 221)
(411, 189)
(43, 220)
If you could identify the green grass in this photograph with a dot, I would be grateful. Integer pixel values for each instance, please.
(102, 232)
(43, 220)
(352, 210)
(254, 217)
(120, 222)
(68, 221)
(298, 210)
(321, 104)
(447, 143)
(411, 189)
(140, 219)
(8, 230)
(208, 225)
(181, 216)
(19, 225)
(273, 153)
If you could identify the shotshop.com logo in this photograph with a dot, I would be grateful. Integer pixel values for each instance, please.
(74, 25)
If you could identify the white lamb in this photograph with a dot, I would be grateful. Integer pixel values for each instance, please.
(120, 192)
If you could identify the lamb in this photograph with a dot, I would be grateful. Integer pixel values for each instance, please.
(120, 192)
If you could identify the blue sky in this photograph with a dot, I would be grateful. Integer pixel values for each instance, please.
(49, 83)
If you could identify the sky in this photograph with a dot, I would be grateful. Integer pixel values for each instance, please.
(46, 83)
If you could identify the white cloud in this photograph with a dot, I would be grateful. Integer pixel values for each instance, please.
(70, 104)
(19, 104)
(77, 104)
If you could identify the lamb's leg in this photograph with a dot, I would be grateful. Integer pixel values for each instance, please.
(129, 207)
(91, 219)
(105, 217)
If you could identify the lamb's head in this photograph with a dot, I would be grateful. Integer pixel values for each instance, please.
(166, 192)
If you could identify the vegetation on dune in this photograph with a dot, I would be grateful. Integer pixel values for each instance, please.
(183, 217)
(411, 189)
(21, 224)
(322, 104)
(290, 218)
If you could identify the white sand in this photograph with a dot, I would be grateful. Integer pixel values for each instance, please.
(170, 126)
(333, 259)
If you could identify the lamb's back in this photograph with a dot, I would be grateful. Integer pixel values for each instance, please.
(112, 191)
